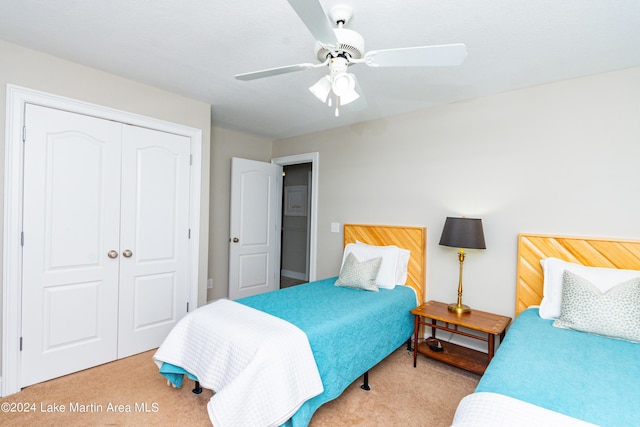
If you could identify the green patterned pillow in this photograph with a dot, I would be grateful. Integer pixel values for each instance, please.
(359, 275)
(614, 313)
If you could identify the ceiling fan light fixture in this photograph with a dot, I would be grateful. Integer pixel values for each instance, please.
(349, 97)
(343, 83)
(344, 87)
(321, 89)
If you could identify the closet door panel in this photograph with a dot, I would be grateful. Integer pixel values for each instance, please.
(155, 229)
(70, 222)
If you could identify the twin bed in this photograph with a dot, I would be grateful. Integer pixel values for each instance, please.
(585, 370)
(275, 358)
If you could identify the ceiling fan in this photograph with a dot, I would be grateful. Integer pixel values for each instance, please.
(338, 48)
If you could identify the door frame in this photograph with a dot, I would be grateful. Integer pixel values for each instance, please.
(312, 158)
(17, 98)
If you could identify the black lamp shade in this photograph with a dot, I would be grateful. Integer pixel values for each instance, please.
(463, 233)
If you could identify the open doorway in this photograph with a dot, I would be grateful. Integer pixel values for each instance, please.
(296, 224)
(312, 195)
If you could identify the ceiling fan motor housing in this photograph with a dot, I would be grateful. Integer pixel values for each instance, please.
(350, 44)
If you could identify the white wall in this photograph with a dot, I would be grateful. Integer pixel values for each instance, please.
(559, 159)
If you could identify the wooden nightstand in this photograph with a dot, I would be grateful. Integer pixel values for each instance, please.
(437, 316)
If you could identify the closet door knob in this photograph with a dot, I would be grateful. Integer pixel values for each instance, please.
(112, 254)
(127, 253)
(236, 240)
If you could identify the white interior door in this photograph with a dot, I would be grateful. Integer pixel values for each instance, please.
(154, 242)
(71, 222)
(255, 227)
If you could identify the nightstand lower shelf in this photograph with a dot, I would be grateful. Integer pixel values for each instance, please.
(456, 355)
(477, 324)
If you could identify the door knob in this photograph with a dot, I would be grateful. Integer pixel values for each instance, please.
(236, 240)
(127, 253)
(112, 254)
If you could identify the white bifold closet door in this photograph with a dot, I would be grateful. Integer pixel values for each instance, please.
(105, 251)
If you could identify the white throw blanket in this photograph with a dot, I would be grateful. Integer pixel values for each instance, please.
(260, 367)
(484, 409)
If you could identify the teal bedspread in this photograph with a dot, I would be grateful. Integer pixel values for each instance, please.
(350, 331)
(175, 374)
(589, 377)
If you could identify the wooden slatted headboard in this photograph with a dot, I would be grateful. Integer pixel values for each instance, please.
(593, 252)
(411, 238)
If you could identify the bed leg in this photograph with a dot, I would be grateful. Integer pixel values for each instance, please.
(197, 389)
(409, 348)
(365, 386)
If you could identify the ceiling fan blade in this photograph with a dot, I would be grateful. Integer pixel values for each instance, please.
(276, 71)
(314, 17)
(421, 56)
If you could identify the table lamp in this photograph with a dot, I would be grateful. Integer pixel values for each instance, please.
(463, 233)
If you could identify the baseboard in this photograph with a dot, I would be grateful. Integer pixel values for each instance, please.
(294, 275)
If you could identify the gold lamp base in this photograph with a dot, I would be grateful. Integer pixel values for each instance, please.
(459, 308)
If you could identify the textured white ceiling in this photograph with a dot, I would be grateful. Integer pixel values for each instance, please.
(196, 47)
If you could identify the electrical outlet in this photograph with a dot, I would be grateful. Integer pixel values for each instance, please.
(209, 283)
(335, 227)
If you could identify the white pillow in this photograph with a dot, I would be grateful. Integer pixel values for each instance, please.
(553, 268)
(402, 269)
(402, 263)
(387, 274)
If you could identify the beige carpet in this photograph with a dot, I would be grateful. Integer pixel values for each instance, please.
(130, 392)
